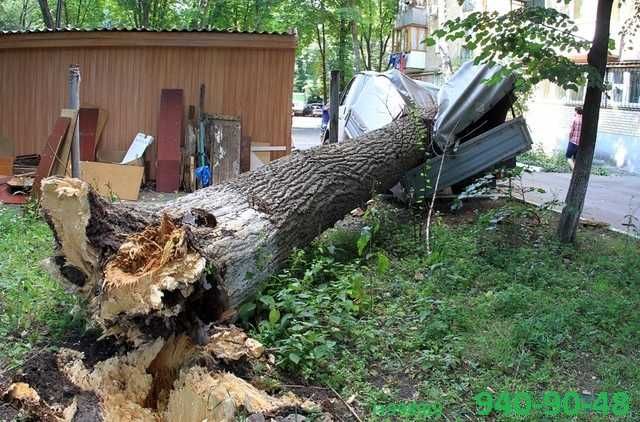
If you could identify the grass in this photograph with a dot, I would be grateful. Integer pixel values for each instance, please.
(554, 163)
(34, 310)
(499, 306)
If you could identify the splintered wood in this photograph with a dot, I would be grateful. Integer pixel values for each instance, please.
(146, 266)
(176, 380)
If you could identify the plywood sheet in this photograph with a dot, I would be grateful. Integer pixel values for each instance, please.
(6, 166)
(169, 139)
(109, 180)
(61, 166)
(224, 136)
(50, 152)
(88, 121)
(168, 176)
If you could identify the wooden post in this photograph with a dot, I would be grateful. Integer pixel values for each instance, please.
(334, 106)
(74, 104)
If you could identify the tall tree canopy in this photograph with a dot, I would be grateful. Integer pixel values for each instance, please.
(349, 35)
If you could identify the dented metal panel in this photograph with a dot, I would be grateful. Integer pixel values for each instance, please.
(471, 157)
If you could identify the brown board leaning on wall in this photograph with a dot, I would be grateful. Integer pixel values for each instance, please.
(61, 165)
(224, 146)
(88, 121)
(50, 152)
(169, 139)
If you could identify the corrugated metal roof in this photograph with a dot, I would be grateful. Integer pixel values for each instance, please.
(132, 29)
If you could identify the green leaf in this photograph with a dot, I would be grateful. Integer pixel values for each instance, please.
(274, 316)
(294, 357)
(363, 240)
(383, 263)
(430, 41)
(268, 301)
(246, 311)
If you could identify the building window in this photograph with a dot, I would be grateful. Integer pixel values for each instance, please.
(634, 88)
(417, 38)
(616, 78)
(465, 55)
(468, 6)
(624, 86)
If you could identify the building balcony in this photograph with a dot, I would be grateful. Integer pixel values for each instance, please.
(415, 16)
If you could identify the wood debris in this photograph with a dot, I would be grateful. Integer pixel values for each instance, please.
(174, 379)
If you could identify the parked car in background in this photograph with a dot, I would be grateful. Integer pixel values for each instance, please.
(313, 109)
(299, 103)
(316, 110)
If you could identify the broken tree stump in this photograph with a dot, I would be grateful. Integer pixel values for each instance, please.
(150, 271)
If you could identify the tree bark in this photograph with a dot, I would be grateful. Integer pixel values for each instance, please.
(46, 13)
(321, 45)
(357, 60)
(59, 6)
(149, 272)
(597, 58)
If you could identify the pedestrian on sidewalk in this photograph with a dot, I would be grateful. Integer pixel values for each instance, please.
(574, 138)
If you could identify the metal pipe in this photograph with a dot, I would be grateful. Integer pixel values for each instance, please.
(74, 103)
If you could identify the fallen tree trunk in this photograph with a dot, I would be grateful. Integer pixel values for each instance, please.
(151, 271)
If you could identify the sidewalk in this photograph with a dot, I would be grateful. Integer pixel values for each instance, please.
(609, 198)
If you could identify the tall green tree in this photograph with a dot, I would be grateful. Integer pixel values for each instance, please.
(19, 14)
(46, 13)
(597, 59)
(376, 29)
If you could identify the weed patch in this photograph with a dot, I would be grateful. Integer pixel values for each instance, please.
(33, 309)
(497, 305)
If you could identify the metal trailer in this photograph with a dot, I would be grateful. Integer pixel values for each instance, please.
(472, 157)
(470, 126)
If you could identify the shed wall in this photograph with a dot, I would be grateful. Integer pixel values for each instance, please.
(255, 84)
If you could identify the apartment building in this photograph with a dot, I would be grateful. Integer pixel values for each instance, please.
(550, 109)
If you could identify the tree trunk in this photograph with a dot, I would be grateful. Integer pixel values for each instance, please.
(321, 45)
(577, 192)
(357, 60)
(59, 14)
(148, 272)
(46, 13)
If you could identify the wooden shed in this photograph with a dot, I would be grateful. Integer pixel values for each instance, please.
(123, 71)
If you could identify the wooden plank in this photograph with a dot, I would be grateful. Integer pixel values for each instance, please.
(113, 180)
(88, 121)
(50, 151)
(94, 39)
(267, 148)
(61, 166)
(170, 132)
(192, 173)
(167, 176)
(225, 147)
(259, 157)
(6, 166)
(245, 154)
(25, 164)
(103, 116)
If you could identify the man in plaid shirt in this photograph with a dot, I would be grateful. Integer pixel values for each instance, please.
(574, 137)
